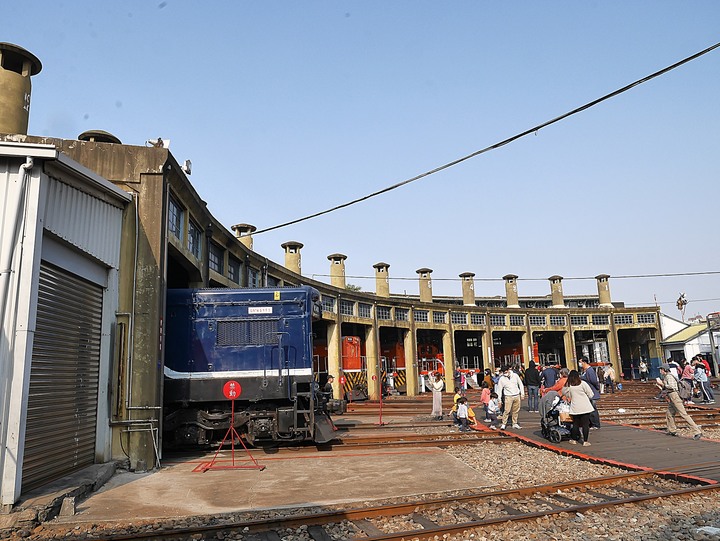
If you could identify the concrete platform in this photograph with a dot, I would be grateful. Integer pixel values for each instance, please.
(302, 479)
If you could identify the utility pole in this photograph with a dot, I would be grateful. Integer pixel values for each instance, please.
(713, 323)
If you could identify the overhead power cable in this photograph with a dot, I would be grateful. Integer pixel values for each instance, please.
(496, 145)
(690, 301)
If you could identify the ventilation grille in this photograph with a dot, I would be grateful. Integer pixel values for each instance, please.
(247, 333)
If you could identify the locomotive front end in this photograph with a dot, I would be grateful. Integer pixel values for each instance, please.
(259, 337)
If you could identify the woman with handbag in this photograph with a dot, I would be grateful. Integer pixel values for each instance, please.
(579, 394)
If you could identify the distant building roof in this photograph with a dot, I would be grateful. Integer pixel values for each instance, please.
(687, 334)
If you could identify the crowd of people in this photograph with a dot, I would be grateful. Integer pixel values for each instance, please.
(504, 389)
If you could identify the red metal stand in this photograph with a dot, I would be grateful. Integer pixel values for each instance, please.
(232, 433)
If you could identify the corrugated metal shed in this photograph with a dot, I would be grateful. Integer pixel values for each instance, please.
(84, 221)
(46, 196)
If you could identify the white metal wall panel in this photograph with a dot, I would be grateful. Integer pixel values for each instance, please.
(84, 221)
(64, 375)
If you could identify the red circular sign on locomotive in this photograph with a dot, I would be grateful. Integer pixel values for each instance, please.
(232, 390)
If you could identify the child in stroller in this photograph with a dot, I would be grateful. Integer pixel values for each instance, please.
(551, 426)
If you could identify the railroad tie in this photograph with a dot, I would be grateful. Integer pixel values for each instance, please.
(318, 533)
(264, 536)
(511, 510)
(368, 528)
(424, 522)
(652, 488)
(628, 491)
(555, 506)
(561, 498)
(468, 514)
(600, 496)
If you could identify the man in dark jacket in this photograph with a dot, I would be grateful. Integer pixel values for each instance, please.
(549, 376)
(532, 382)
(589, 376)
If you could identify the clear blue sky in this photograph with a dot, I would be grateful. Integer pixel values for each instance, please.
(289, 108)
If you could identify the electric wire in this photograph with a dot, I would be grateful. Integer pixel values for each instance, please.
(496, 145)
(669, 302)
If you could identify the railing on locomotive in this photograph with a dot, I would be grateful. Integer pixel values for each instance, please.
(320, 367)
(426, 366)
(388, 365)
(466, 363)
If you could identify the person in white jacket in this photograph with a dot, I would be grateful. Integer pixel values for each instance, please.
(511, 390)
(436, 386)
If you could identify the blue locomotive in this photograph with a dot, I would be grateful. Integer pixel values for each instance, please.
(258, 337)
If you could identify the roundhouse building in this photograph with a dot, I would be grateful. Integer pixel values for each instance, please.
(170, 239)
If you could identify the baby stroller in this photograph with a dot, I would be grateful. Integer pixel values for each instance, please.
(551, 426)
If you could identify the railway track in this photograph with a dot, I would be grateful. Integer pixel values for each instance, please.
(433, 518)
(420, 440)
(641, 410)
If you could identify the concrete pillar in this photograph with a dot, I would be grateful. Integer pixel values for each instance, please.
(337, 270)
(449, 361)
(558, 301)
(468, 288)
(292, 255)
(511, 292)
(488, 343)
(425, 284)
(526, 349)
(334, 353)
(372, 362)
(382, 279)
(614, 348)
(411, 364)
(569, 341)
(603, 287)
(244, 234)
(16, 67)
(486, 351)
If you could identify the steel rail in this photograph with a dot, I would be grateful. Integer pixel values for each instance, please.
(428, 440)
(357, 515)
(434, 532)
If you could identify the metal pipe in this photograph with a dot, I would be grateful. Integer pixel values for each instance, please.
(131, 408)
(6, 268)
(153, 435)
(15, 246)
(131, 345)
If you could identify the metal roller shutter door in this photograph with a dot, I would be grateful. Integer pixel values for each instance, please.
(62, 402)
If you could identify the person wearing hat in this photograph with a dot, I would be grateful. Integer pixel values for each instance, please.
(328, 388)
(668, 384)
